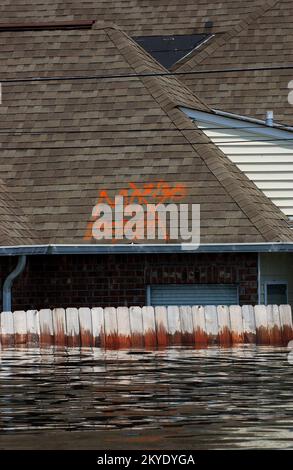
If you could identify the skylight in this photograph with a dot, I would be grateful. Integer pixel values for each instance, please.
(170, 49)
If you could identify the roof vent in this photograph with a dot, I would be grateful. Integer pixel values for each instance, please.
(209, 24)
(270, 118)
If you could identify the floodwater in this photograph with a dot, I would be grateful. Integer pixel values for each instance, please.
(177, 398)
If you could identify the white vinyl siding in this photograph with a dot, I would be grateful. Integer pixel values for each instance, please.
(193, 294)
(266, 160)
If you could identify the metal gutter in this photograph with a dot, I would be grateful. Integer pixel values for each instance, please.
(172, 248)
(277, 247)
(259, 278)
(24, 250)
(234, 121)
(252, 120)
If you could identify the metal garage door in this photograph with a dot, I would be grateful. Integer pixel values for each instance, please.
(193, 294)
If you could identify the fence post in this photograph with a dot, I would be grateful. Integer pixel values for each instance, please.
(72, 327)
(249, 328)
(236, 324)
(161, 325)
(224, 325)
(123, 326)
(212, 327)
(59, 324)
(46, 327)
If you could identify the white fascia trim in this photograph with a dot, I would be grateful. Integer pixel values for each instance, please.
(238, 122)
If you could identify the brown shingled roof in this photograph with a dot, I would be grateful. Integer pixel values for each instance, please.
(247, 34)
(263, 42)
(136, 17)
(79, 137)
(14, 226)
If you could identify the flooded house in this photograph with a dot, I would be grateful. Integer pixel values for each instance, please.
(146, 224)
(99, 115)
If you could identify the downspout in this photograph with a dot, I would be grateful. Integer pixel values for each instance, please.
(259, 277)
(7, 304)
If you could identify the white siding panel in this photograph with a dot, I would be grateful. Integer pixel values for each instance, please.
(266, 176)
(265, 160)
(272, 185)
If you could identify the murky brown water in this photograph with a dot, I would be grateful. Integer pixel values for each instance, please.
(170, 399)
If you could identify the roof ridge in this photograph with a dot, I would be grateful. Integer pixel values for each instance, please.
(216, 161)
(142, 62)
(195, 57)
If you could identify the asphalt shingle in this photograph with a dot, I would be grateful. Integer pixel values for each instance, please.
(67, 143)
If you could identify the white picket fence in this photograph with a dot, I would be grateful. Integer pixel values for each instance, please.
(148, 327)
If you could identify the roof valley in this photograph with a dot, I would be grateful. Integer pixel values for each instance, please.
(212, 156)
(200, 54)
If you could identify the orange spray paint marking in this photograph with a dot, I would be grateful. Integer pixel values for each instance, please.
(147, 193)
(140, 195)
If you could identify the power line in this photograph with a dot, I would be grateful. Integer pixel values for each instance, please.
(143, 75)
(115, 130)
(112, 131)
(136, 145)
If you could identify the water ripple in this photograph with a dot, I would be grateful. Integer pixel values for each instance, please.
(211, 398)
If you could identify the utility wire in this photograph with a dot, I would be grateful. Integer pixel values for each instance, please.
(142, 75)
(9, 131)
(125, 146)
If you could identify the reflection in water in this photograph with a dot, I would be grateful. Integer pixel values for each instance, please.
(210, 398)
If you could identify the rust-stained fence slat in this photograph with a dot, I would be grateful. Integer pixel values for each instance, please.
(186, 321)
(111, 328)
(224, 323)
(98, 325)
(20, 327)
(261, 323)
(59, 324)
(161, 325)
(174, 325)
(249, 328)
(85, 326)
(33, 326)
(212, 327)
(149, 326)
(7, 329)
(123, 326)
(286, 323)
(72, 327)
(199, 325)
(136, 326)
(274, 325)
(46, 327)
(237, 332)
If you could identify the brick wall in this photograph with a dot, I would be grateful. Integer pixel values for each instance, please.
(113, 280)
